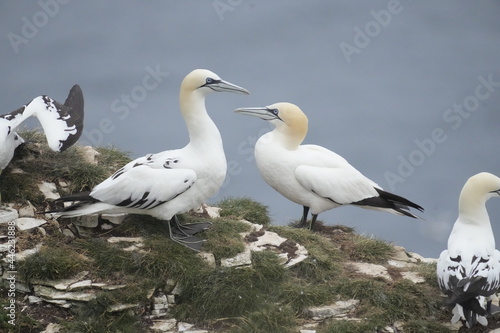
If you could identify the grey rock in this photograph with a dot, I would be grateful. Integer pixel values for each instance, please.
(50, 293)
(27, 210)
(49, 190)
(28, 223)
(340, 308)
(7, 214)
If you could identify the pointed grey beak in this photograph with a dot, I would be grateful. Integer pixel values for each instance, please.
(221, 86)
(260, 112)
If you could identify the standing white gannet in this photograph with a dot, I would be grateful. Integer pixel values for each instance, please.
(469, 270)
(62, 123)
(310, 175)
(173, 181)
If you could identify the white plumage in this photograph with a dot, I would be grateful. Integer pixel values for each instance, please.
(62, 123)
(469, 270)
(174, 181)
(310, 175)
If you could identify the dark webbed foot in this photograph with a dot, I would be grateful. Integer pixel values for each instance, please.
(189, 229)
(303, 221)
(184, 234)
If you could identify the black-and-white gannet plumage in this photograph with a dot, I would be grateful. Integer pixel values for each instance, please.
(469, 270)
(310, 175)
(61, 123)
(173, 181)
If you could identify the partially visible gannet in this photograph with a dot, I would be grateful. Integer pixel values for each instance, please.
(310, 175)
(469, 270)
(173, 181)
(62, 123)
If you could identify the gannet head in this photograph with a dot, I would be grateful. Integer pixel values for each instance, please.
(205, 81)
(477, 190)
(291, 123)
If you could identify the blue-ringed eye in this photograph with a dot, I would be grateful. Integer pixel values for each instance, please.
(209, 80)
(275, 111)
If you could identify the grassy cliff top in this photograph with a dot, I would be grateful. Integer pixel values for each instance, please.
(262, 297)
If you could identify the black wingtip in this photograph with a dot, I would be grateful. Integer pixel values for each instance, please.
(387, 200)
(75, 107)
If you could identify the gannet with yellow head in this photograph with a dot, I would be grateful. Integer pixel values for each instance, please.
(310, 175)
(469, 270)
(173, 181)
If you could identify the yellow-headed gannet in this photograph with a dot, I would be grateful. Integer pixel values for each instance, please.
(173, 181)
(469, 270)
(310, 175)
(62, 123)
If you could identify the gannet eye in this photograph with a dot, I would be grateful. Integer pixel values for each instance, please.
(275, 111)
(209, 80)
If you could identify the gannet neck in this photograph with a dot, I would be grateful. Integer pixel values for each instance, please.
(292, 129)
(472, 201)
(202, 130)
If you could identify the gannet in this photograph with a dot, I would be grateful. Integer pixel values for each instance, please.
(173, 181)
(310, 175)
(469, 270)
(61, 123)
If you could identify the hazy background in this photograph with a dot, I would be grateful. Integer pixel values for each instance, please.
(372, 76)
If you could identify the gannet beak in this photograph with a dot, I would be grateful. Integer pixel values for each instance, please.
(265, 112)
(221, 86)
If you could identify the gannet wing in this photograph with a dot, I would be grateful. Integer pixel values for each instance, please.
(449, 272)
(62, 123)
(342, 186)
(141, 186)
(463, 279)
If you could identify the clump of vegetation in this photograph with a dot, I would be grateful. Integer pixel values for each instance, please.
(244, 208)
(370, 249)
(232, 292)
(52, 263)
(224, 239)
(95, 317)
(268, 319)
(324, 256)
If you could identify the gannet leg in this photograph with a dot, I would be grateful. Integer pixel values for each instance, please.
(314, 217)
(188, 229)
(303, 221)
(192, 242)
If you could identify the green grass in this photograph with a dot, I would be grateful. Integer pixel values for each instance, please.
(324, 257)
(267, 319)
(244, 208)
(52, 263)
(232, 292)
(224, 239)
(370, 250)
(93, 317)
(345, 326)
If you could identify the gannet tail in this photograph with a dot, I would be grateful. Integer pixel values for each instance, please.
(389, 202)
